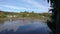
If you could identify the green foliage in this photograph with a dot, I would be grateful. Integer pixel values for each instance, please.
(2, 16)
(25, 14)
(54, 8)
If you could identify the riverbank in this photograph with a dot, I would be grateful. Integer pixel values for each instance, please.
(21, 18)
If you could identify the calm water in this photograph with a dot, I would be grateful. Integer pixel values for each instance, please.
(24, 27)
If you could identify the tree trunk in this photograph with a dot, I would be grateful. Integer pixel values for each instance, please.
(58, 17)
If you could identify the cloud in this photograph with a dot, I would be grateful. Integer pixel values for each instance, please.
(36, 4)
(30, 5)
(33, 4)
(12, 7)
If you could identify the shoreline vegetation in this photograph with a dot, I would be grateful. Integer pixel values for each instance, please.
(13, 19)
(23, 15)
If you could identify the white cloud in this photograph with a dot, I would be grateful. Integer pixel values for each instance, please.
(36, 4)
(28, 5)
(32, 2)
(12, 7)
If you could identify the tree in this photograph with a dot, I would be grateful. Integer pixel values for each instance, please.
(55, 4)
(32, 12)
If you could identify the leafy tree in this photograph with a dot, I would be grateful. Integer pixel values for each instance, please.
(55, 18)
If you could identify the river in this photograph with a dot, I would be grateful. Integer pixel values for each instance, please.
(25, 26)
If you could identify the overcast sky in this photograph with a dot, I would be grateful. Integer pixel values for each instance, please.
(37, 6)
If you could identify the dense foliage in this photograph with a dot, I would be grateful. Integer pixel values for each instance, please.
(55, 8)
(25, 14)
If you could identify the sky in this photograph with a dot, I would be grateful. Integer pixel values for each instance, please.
(38, 6)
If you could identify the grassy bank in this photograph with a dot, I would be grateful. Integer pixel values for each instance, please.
(21, 18)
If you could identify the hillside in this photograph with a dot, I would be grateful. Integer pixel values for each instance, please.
(24, 14)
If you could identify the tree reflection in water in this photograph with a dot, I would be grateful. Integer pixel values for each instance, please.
(24, 27)
(1, 21)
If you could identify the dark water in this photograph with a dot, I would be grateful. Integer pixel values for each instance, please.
(24, 27)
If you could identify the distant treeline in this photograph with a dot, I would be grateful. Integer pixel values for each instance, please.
(25, 14)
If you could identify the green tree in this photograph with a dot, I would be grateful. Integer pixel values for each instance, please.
(55, 18)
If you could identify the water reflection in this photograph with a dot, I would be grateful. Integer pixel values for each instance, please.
(1, 21)
(24, 27)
